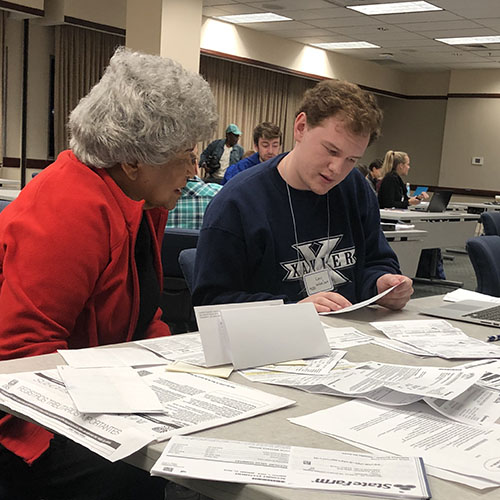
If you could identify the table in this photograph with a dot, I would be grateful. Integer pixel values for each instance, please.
(9, 182)
(274, 428)
(407, 245)
(9, 194)
(474, 207)
(444, 229)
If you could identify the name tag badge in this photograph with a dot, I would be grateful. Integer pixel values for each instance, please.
(319, 281)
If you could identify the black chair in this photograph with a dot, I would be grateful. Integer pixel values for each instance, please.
(3, 204)
(176, 298)
(484, 254)
(491, 222)
(186, 261)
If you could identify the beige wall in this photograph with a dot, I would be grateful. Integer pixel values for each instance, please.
(110, 12)
(35, 4)
(416, 127)
(472, 129)
(244, 42)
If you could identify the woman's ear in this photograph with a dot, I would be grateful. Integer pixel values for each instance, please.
(131, 171)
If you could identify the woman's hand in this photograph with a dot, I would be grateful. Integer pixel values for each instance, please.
(327, 301)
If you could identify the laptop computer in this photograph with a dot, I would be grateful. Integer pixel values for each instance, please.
(471, 311)
(439, 201)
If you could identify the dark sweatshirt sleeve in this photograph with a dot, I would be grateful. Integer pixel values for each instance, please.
(389, 193)
(222, 270)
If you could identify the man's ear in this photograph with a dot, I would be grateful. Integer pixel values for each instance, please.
(300, 126)
(131, 171)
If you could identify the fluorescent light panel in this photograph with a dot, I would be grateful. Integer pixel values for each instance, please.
(346, 45)
(393, 8)
(466, 40)
(261, 17)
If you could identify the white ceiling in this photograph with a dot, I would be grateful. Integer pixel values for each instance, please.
(406, 40)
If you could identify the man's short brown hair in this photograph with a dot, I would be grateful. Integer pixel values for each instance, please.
(266, 130)
(358, 108)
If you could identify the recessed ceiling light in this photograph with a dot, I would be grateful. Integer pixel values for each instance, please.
(393, 8)
(465, 40)
(346, 45)
(262, 17)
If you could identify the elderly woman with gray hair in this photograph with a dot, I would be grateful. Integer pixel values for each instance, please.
(80, 255)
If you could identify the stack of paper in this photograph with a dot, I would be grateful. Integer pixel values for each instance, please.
(189, 403)
(437, 337)
(293, 467)
(453, 451)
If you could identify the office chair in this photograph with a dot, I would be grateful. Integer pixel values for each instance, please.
(186, 261)
(3, 204)
(176, 298)
(491, 222)
(484, 254)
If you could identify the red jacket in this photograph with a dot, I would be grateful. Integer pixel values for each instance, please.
(67, 273)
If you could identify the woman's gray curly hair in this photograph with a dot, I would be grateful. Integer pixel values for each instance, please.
(145, 109)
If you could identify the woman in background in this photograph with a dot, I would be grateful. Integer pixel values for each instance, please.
(392, 192)
(80, 258)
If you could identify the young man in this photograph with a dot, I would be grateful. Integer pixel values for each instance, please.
(222, 153)
(267, 144)
(304, 226)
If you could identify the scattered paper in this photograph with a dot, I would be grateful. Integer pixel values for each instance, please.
(461, 294)
(94, 357)
(215, 371)
(293, 467)
(109, 390)
(413, 430)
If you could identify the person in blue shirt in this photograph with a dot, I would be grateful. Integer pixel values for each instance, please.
(304, 226)
(267, 144)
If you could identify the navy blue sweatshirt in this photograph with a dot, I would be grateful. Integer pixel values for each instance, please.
(247, 249)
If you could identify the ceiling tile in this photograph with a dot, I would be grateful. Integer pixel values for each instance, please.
(444, 25)
(276, 26)
(239, 9)
(343, 21)
(301, 15)
(418, 17)
(278, 5)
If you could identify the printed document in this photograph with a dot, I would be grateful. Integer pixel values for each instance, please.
(413, 430)
(109, 390)
(98, 357)
(438, 338)
(293, 467)
(190, 403)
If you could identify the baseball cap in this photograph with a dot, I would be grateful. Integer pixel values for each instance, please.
(233, 129)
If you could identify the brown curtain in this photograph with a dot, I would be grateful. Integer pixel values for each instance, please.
(2, 75)
(81, 55)
(246, 95)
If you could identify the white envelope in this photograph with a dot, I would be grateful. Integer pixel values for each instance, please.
(212, 330)
(264, 335)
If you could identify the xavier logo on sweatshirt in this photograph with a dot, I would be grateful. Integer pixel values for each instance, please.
(320, 254)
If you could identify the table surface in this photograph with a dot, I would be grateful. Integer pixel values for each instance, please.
(275, 428)
(416, 215)
(9, 194)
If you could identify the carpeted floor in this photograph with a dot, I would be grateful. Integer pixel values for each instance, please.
(458, 268)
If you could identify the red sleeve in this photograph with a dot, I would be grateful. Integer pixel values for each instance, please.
(51, 258)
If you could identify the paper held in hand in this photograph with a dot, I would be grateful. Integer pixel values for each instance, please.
(260, 333)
